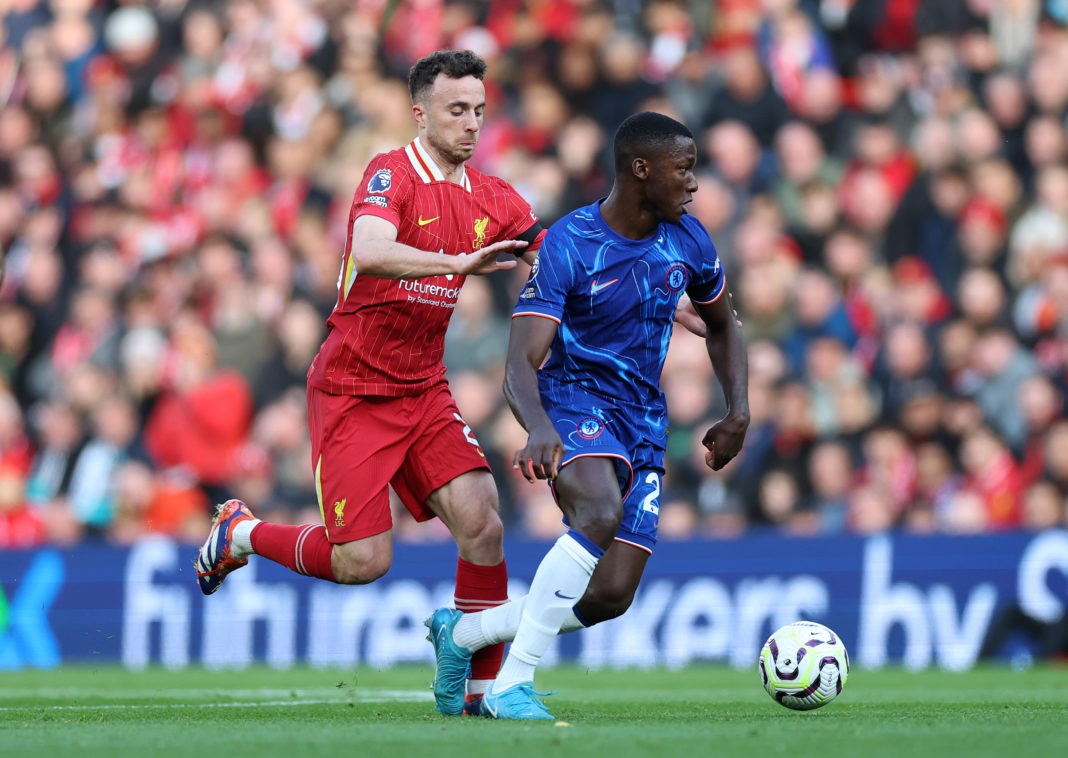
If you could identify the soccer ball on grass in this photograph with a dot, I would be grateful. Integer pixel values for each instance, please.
(803, 665)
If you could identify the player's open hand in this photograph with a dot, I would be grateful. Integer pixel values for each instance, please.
(540, 459)
(724, 440)
(485, 261)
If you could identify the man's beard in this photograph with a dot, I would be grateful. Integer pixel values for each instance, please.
(454, 154)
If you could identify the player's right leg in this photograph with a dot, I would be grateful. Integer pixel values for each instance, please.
(353, 545)
(518, 702)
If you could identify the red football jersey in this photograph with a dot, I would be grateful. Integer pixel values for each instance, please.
(387, 336)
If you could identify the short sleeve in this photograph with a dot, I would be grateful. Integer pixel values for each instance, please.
(551, 279)
(384, 191)
(708, 281)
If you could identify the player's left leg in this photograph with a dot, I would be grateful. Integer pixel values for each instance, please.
(614, 581)
(468, 507)
(612, 588)
(588, 490)
(445, 474)
(609, 595)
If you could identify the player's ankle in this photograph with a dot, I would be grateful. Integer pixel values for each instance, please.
(477, 687)
(241, 539)
(468, 632)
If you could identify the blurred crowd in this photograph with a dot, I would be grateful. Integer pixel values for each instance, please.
(885, 180)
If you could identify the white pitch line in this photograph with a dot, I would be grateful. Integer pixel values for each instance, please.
(156, 706)
(9, 693)
(368, 696)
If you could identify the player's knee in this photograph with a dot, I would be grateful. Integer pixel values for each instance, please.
(598, 523)
(605, 601)
(360, 567)
(480, 532)
(360, 573)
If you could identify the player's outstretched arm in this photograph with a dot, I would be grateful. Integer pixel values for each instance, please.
(528, 344)
(376, 252)
(687, 315)
(726, 349)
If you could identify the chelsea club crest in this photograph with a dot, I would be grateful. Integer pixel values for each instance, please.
(676, 278)
(590, 428)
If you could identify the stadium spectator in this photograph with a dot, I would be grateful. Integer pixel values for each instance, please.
(149, 502)
(819, 311)
(904, 361)
(21, 526)
(830, 478)
(994, 477)
(747, 96)
(16, 449)
(204, 413)
(736, 159)
(937, 482)
(801, 162)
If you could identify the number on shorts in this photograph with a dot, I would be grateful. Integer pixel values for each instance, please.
(467, 431)
(650, 503)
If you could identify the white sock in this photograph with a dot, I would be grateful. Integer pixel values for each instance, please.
(561, 579)
(499, 624)
(478, 686)
(468, 630)
(241, 539)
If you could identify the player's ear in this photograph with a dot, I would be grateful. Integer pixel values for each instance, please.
(419, 113)
(640, 168)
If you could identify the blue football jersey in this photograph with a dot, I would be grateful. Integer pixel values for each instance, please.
(614, 299)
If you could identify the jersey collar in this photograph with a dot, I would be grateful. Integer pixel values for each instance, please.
(426, 168)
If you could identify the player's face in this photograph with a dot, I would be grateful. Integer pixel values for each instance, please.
(450, 117)
(671, 183)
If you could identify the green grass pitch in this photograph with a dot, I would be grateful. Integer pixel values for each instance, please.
(698, 711)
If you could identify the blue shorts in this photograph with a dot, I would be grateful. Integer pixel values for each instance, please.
(592, 428)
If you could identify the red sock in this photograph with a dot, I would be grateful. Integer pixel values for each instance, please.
(478, 588)
(304, 549)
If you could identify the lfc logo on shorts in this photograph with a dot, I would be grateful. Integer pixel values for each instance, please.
(339, 512)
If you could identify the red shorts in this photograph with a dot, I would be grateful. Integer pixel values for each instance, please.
(362, 445)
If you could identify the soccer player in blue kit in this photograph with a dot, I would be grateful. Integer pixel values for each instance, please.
(600, 303)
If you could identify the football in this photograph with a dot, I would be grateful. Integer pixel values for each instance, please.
(803, 665)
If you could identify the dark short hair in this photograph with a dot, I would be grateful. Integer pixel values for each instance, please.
(644, 133)
(455, 64)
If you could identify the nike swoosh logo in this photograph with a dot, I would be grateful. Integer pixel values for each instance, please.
(424, 221)
(564, 597)
(595, 287)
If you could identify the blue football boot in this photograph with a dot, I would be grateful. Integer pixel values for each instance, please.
(519, 702)
(453, 663)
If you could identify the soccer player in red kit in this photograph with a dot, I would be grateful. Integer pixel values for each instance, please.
(380, 411)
